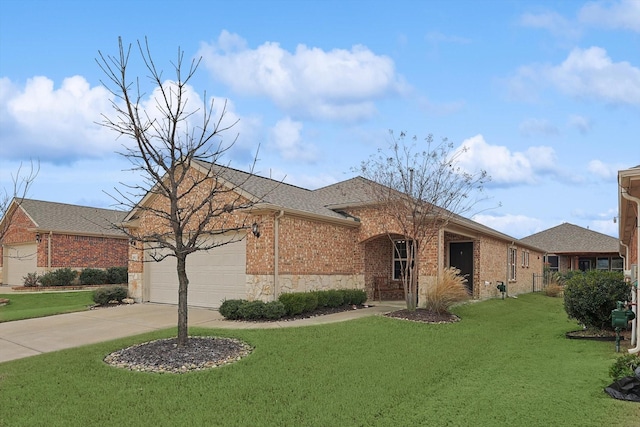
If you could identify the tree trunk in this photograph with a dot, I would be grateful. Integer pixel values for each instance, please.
(183, 284)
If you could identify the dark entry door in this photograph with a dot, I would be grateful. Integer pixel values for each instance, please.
(461, 257)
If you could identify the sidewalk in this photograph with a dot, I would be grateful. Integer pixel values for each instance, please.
(24, 338)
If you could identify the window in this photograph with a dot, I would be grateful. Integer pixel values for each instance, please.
(552, 261)
(401, 250)
(602, 264)
(525, 259)
(513, 259)
(617, 264)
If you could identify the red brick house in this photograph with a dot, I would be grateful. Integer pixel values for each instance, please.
(571, 247)
(331, 237)
(43, 236)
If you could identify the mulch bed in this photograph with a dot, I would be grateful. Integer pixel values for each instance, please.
(424, 316)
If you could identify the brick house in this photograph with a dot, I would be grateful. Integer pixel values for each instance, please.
(571, 247)
(43, 236)
(332, 237)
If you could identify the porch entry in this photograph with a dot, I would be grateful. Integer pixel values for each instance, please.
(461, 257)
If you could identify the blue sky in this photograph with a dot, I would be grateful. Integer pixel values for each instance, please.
(544, 95)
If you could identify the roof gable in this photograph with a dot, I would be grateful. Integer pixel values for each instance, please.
(570, 238)
(73, 219)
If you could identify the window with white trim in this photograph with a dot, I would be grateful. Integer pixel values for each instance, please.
(513, 260)
(401, 254)
(525, 259)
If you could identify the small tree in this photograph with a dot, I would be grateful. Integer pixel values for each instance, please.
(419, 188)
(190, 208)
(589, 297)
(22, 181)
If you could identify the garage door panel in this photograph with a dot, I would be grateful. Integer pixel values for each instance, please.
(19, 260)
(214, 275)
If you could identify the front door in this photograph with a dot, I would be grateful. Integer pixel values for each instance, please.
(461, 257)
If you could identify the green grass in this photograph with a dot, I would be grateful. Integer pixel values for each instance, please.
(26, 306)
(506, 363)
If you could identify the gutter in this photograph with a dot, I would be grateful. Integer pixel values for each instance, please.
(635, 295)
(276, 254)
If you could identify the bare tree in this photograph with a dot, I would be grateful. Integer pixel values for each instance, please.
(22, 181)
(422, 189)
(189, 208)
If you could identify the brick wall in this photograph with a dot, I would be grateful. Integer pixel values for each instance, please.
(72, 251)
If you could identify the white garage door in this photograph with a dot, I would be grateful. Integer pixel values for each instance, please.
(214, 276)
(19, 260)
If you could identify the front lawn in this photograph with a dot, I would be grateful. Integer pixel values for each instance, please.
(506, 363)
(28, 305)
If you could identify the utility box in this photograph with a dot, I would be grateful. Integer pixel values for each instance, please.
(620, 317)
(502, 288)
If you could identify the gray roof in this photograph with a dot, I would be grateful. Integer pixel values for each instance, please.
(569, 238)
(73, 219)
(326, 201)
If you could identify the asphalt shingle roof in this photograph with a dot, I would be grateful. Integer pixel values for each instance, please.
(61, 217)
(570, 238)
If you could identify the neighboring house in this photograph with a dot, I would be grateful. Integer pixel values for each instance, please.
(332, 237)
(571, 247)
(628, 226)
(43, 236)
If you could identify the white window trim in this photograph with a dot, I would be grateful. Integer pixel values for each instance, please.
(513, 264)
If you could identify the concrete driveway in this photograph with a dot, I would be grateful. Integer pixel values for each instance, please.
(24, 338)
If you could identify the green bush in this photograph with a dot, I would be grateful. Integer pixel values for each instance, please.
(334, 298)
(229, 308)
(310, 302)
(274, 310)
(294, 303)
(102, 296)
(323, 298)
(353, 296)
(251, 310)
(59, 277)
(117, 275)
(589, 297)
(30, 280)
(624, 366)
(93, 276)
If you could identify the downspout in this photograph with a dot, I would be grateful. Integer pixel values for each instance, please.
(626, 195)
(276, 240)
(49, 251)
(634, 322)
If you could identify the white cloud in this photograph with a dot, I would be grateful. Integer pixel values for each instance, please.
(603, 170)
(553, 22)
(59, 125)
(56, 124)
(532, 127)
(517, 226)
(586, 73)
(581, 123)
(287, 139)
(624, 14)
(504, 166)
(335, 85)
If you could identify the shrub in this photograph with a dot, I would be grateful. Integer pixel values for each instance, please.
(323, 298)
(310, 301)
(251, 310)
(274, 310)
(31, 280)
(59, 277)
(624, 366)
(229, 308)
(294, 303)
(334, 298)
(589, 297)
(353, 296)
(117, 275)
(93, 276)
(447, 291)
(553, 290)
(102, 296)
